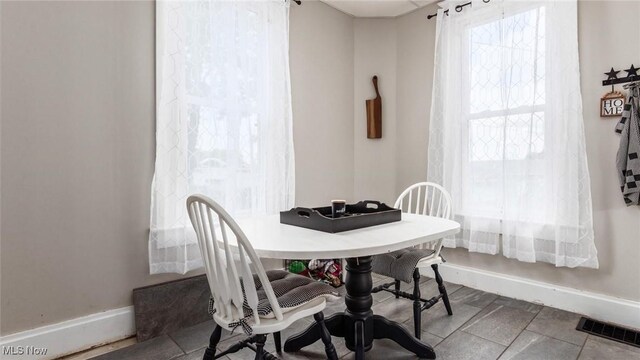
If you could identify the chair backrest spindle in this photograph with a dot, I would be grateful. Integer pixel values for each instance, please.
(435, 200)
(228, 275)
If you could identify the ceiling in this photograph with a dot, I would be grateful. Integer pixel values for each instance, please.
(377, 8)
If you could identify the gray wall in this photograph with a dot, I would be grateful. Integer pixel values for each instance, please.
(321, 55)
(416, 41)
(604, 27)
(77, 157)
(374, 159)
(77, 147)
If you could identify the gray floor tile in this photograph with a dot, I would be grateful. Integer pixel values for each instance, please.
(597, 348)
(558, 324)
(473, 297)
(333, 307)
(195, 337)
(499, 323)
(313, 351)
(436, 320)
(197, 355)
(386, 349)
(381, 296)
(398, 310)
(471, 333)
(380, 279)
(464, 346)
(229, 339)
(519, 304)
(192, 356)
(408, 287)
(342, 290)
(533, 346)
(159, 348)
(317, 349)
(426, 337)
(269, 346)
(430, 288)
(426, 275)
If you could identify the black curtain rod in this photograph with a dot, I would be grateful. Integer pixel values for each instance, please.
(458, 9)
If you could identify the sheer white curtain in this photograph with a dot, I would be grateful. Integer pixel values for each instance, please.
(223, 123)
(506, 131)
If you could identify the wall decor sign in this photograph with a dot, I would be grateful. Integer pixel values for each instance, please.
(611, 104)
(374, 113)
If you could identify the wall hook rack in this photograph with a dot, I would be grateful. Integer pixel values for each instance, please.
(612, 76)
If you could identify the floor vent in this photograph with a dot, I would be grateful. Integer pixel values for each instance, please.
(609, 331)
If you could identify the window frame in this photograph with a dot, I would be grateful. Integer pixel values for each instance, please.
(483, 17)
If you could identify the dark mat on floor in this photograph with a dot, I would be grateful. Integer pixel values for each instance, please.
(167, 307)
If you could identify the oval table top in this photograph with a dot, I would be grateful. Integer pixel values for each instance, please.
(271, 239)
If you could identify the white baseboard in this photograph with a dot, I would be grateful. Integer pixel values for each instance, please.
(71, 336)
(597, 306)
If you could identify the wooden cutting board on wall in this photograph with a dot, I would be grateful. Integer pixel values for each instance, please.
(374, 114)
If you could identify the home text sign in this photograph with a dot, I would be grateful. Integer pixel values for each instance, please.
(611, 104)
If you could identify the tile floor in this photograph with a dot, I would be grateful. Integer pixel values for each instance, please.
(484, 326)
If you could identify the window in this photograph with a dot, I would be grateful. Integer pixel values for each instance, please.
(224, 145)
(223, 122)
(505, 116)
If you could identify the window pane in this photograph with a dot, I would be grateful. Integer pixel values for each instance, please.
(224, 82)
(507, 62)
(514, 137)
(506, 118)
(524, 136)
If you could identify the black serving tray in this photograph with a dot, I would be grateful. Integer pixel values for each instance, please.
(362, 214)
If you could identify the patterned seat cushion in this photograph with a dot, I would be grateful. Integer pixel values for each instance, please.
(399, 264)
(291, 291)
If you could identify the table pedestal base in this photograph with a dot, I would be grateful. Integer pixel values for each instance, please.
(357, 324)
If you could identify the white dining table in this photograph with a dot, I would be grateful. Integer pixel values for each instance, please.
(271, 239)
(357, 324)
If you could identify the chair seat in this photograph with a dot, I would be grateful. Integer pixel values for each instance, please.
(400, 264)
(291, 291)
(271, 325)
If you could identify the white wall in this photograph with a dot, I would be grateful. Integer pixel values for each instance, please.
(374, 159)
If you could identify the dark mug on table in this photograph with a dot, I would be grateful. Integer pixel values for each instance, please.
(338, 208)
